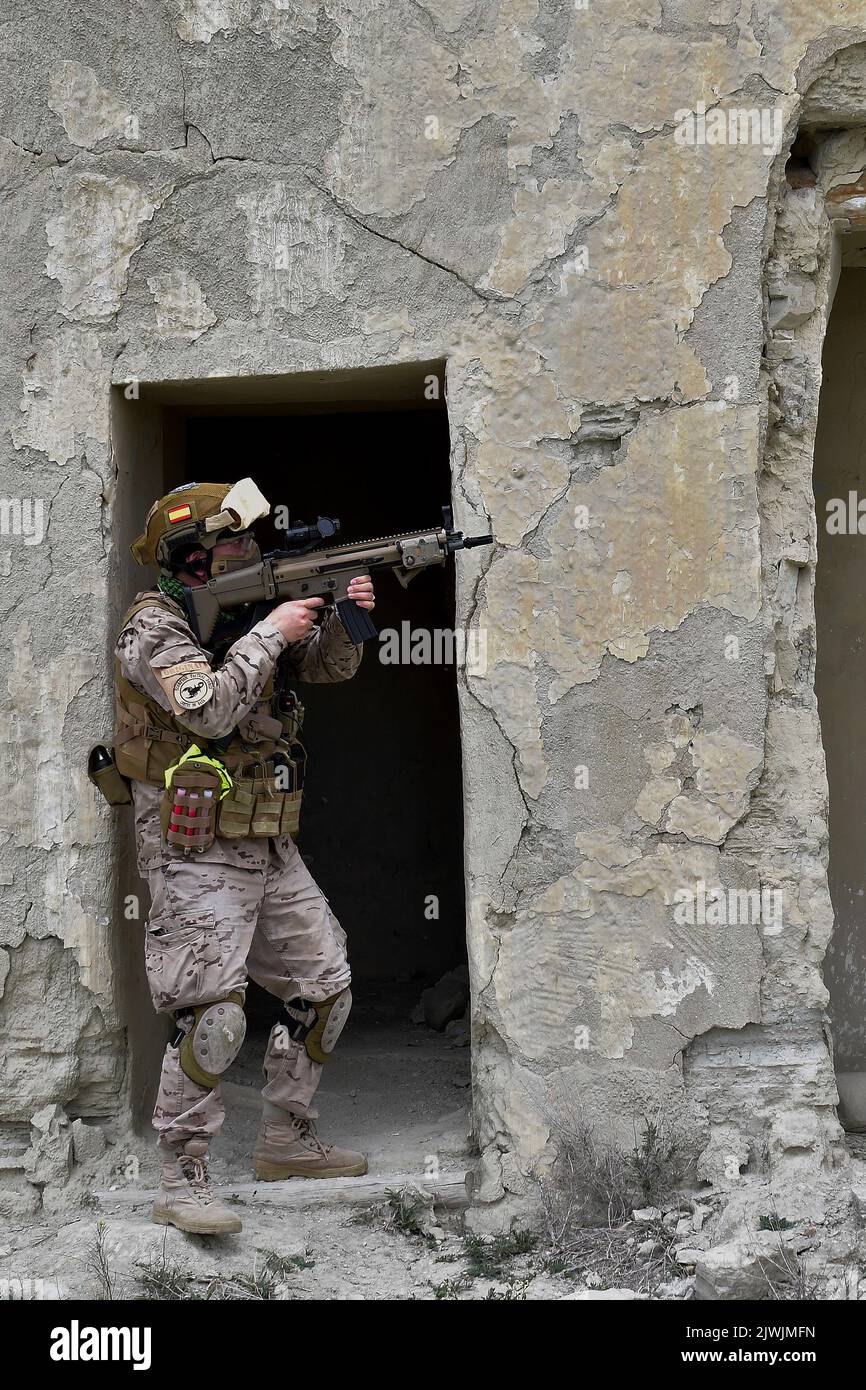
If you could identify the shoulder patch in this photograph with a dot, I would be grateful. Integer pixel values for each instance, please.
(188, 686)
(193, 691)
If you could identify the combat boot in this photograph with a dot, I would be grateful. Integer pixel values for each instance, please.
(186, 1199)
(289, 1147)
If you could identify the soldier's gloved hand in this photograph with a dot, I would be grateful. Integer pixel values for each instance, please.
(295, 619)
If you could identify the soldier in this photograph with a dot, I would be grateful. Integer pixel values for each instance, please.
(242, 903)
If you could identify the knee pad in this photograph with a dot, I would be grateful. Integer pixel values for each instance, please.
(214, 1039)
(318, 1026)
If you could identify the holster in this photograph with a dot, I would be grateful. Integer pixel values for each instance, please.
(109, 781)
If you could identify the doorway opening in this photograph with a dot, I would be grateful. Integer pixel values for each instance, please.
(382, 824)
(840, 608)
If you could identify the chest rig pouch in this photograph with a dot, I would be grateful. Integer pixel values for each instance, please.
(189, 809)
(265, 799)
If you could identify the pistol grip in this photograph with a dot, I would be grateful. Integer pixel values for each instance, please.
(355, 620)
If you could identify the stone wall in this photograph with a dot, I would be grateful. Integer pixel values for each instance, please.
(244, 188)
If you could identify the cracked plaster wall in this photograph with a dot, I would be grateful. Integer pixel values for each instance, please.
(217, 187)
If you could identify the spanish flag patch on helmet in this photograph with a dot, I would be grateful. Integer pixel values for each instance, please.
(180, 513)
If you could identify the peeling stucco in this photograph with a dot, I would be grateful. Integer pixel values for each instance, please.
(91, 243)
(199, 21)
(63, 405)
(89, 112)
(296, 249)
(181, 308)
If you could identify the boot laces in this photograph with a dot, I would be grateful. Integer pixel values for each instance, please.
(307, 1134)
(195, 1171)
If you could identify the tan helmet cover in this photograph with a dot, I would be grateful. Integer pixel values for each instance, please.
(242, 505)
(197, 512)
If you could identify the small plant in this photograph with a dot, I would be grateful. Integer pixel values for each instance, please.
(589, 1193)
(452, 1288)
(96, 1261)
(164, 1281)
(522, 1242)
(560, 1264)
(264, 1285)
(775, 1222)
(589, 1184)
(487, 1257)
(515, 1289)
(656, 1164)
(593, 1182)
(408, 1210)
(285, 1264)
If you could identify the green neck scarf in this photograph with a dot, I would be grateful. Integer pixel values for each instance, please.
(170, 586)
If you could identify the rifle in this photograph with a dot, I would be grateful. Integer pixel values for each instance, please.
(306, 569)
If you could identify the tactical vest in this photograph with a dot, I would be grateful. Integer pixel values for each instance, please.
(267, 776)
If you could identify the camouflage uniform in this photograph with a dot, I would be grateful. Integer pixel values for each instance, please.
(242, 907)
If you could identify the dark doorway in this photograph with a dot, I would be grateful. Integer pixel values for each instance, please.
(382, 824)
(840, 605)
(382, 827)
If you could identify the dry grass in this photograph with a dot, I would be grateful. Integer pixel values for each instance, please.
(163, 1280)
(589, 1196)
(594, 1182)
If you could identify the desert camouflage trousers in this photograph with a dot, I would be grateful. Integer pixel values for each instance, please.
(211, 926)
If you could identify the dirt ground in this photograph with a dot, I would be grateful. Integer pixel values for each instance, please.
(400, 1092)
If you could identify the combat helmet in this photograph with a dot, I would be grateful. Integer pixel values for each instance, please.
(196, 514)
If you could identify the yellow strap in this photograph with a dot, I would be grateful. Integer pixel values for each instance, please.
(195, 752)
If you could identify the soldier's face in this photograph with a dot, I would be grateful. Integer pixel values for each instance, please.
(194, 572)
(227, 554)
(234, 552)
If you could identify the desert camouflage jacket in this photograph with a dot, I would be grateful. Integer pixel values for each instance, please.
(160, 656)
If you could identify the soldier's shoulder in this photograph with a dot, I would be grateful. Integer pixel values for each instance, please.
(151, 610)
